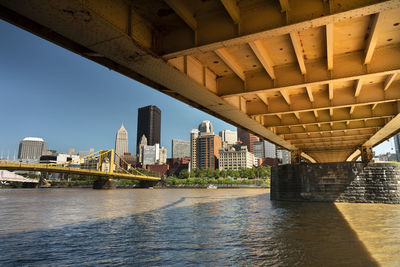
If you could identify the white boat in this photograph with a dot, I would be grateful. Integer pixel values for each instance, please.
(211, 186)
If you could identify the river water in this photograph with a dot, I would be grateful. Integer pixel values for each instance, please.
(180, 227)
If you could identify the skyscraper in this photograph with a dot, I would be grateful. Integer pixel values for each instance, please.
(180, 148)
(31, 148)
(208, 147)
(247, 139)
(194, 133)
(228, 136)
(149, 124)
(264, 149)
(121, 141)
(206, 128)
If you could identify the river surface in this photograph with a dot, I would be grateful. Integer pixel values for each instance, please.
(183, 227)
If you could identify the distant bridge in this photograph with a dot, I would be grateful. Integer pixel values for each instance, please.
(99, 164)
(6, 177)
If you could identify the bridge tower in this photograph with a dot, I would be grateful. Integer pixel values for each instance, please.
(106, 164)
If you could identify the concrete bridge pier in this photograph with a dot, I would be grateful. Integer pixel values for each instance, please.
(366, 154)
(337, 182)
(104, 183)
(296, 156)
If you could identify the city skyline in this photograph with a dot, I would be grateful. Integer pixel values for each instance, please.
(75, 110)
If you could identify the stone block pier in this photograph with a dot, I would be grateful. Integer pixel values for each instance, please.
(337, 182)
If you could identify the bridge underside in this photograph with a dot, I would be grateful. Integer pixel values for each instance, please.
(319, 77)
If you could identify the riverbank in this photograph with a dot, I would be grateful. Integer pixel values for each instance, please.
(168, 183)
(181, 186)
(219, 186)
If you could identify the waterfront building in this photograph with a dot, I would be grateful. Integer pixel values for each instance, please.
(84, 153)
(149, 125)
(162, 156)
(228, 137)
(283, 155)
(142, 144)
(234, 158)
(130, 159)
(386, 157)
(208, 147)
(205, 128)
(160, 169)
(247, 139)
(267, 162)
(121, 141)
(31, 148)
(180, 148)
(264, 149)
(397, 146)
(176, 165)
(258, 149)
(154, 155)
(60, 158)
(150, 154)
(194, 133)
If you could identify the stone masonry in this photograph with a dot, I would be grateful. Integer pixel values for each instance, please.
(339, 181)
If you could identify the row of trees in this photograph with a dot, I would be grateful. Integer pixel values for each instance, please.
(259, 172)
(224, 181)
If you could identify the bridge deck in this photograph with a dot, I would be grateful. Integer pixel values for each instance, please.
(56, 169)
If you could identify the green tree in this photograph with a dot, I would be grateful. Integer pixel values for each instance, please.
(196, 172)
(183, 174)
(252, 173)
(209, 173)
(223, 173)
(203, 173)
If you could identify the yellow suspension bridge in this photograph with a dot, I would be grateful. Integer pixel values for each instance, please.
(102, 164)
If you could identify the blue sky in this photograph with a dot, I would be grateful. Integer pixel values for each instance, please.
(71, 102)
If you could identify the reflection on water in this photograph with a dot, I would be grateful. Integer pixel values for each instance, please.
(186, 226)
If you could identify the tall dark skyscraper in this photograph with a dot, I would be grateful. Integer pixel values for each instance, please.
(149, 124)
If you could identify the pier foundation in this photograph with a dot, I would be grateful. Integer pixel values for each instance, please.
(104, 183)
(339, 181)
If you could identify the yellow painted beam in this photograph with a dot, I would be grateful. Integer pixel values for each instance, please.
(338, 129)
(231, 62)
(284, 5)
(309, 93)
(285, 96)
(355, 118)
(232, 8)
(376, 20)
(358, 87)
(309, 22)
(388, 81)
(263, 56)
(329, 45)
(183, 12)
(294, 36)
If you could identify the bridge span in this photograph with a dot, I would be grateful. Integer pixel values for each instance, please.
(17, 166)
(100, 164)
